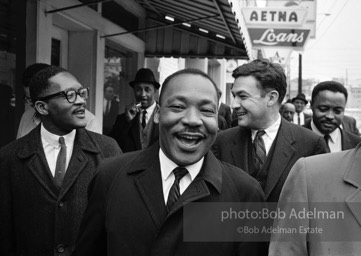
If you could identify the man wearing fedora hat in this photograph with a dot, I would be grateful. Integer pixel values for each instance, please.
(135, 128)
(300, 102)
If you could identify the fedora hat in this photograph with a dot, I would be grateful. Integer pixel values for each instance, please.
(300, 96)
(145, 75)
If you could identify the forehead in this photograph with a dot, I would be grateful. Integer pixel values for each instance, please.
(143, 85)
(329, 97)
(289, 107)
(247, 84)
(64, 81)
(191, 86)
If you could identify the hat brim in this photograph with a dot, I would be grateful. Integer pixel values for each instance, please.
(155, 84)
(305, 101)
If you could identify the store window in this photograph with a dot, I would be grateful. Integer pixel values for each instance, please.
(119, 66)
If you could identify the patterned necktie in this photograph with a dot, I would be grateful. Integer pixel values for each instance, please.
(259, 155)
(60, 163)
(327, 137)
(174, 192)
(144, 122)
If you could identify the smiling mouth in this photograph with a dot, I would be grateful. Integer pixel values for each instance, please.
(190, 141)
(79, 112)
(241, 113)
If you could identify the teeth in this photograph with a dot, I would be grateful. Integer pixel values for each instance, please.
(188, 137)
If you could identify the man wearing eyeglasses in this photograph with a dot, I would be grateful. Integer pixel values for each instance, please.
(44, 175)
(30, 118)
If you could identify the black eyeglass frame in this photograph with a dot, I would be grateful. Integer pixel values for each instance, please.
(65, 94)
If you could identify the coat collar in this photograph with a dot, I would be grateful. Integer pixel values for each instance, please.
(148, 180)
(33, 154)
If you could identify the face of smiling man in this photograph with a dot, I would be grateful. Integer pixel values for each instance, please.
(187, 118)
(61, 117)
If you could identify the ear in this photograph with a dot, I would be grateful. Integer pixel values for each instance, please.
(41, 107)
(273, 98)
(156, 114)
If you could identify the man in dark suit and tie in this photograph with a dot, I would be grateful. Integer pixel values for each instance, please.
(300, 102)
(349, 124)
(328, 106)
(135, 128)
(224, 113)
(44, 176)
(136, 200)
(264, 144)
(111, 109)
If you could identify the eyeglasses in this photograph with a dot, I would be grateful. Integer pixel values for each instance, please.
(70, 95)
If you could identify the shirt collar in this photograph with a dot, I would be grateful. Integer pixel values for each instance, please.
(334, 135)
(151, 108)
(53, 139)
(167, 166)
(271, 131)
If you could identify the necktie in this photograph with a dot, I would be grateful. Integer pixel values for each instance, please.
(144, 123)
(174, 192)
(60, 163)
(327, 137)
(299, 119)
(259, 155)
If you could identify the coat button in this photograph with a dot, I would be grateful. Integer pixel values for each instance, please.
(60, 248)
(61, 204)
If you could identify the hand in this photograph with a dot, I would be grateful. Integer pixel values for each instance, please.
(131, 111)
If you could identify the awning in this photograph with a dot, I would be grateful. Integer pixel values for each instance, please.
(205, 28)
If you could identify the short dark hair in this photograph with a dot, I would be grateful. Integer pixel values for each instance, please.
(40, 82)
(30, 72)
(332, 86)
(182, 72)
(268, 74)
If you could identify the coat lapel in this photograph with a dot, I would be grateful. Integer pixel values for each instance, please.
(240, 149)
(33, 155)
(149, 183)
(282, 155)
(211, 173)
(79, 159)
(353, 177)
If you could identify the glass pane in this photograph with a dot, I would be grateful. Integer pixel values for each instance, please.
(55, 52)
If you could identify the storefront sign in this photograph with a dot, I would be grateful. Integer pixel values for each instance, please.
(278, 37)
(272, 16)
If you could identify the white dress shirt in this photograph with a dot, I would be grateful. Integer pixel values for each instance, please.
(149, 113)
(302, 118)
(270, 134)
(51, 147)
(167, 166)
(335, 141)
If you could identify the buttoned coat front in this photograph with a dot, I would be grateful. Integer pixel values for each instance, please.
(36, 218)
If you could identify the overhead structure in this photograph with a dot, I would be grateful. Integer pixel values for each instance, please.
(197, 28)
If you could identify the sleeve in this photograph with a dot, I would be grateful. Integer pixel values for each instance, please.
(287, 238)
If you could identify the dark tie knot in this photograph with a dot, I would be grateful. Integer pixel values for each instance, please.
(260, 133)
(179, 173)
(327, 137)
(62, 141)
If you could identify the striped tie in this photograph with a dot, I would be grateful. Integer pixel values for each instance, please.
(174, 192)
(259, 155)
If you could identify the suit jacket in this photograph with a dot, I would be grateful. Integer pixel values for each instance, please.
(291, 143)
(330, 182)
(126, 214)
(225, 111)
(36, 218)
(128, 134)
(110, 117)
(349, 140)
(349, 124)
